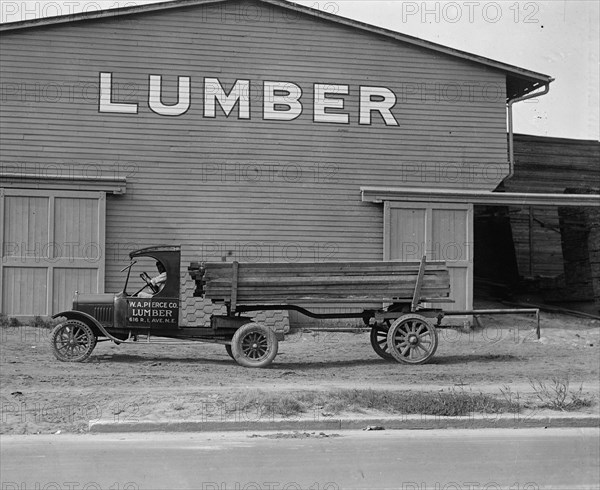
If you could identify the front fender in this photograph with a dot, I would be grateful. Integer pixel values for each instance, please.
(90, 320)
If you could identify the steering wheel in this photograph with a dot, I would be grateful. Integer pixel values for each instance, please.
(146, 278)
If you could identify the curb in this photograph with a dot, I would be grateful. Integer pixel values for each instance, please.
(512, 421)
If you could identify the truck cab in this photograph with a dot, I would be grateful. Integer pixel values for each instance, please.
(141, 306)
(154, 306)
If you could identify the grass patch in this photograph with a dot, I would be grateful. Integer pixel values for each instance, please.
(36, 322)
(280, 404)
(9, 322)
(557, 395)
(43, 322)
(443, 403)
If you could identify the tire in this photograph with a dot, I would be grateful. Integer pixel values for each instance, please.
(72, 341)
(378, 338)
(229, 351)
(412, 339)
(254, 345)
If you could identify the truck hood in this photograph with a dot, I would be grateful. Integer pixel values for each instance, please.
(95, 299)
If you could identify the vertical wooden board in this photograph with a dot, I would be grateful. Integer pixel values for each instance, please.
(408, 237)
(460, 289)
(449, 235)
(76, 229)
(26, 226)
(542, 255)
(67, 281)
(24, 291)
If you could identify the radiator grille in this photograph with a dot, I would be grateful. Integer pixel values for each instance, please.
(103, 314)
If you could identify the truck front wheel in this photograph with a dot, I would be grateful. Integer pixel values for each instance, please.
(253, 345)
(72, 341)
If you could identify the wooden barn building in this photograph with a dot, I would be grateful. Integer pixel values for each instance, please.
(249, 130)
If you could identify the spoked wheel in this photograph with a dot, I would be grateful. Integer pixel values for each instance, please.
(412, 339)
(379, 342)
(72, 341)
(253, 345)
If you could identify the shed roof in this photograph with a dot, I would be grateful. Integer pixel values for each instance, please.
(519, 81)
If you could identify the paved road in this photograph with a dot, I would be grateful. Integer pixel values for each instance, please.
(410, 460)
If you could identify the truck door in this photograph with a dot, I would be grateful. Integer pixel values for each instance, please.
(147, 308)
(157, 312)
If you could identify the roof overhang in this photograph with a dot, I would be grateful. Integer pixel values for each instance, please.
(20, 180)
(411, 194)
(158, 249)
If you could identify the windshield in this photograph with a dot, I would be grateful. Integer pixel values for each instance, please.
(152, 270)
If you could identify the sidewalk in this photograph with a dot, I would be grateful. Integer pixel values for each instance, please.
(407, 422)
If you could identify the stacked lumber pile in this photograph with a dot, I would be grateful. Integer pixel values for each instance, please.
(545, 164)
(580, 232)
(293, 283)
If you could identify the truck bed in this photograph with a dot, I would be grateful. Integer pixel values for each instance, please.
(302, 282)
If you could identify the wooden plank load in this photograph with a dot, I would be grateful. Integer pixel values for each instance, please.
(296, 283)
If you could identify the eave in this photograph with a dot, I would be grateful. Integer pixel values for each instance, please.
(20, 180)
(411, 194)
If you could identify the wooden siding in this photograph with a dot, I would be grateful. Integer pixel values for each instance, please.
(547, 165)
(258, 190)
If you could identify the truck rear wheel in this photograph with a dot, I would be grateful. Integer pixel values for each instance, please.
(378, 339)
(412, 339)
(254, 345)
(72, 341)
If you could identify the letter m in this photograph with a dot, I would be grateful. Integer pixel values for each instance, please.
(213, 91)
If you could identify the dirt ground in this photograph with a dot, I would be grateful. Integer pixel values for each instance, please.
(190, 380)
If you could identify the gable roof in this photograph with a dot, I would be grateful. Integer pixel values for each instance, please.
(519, 81)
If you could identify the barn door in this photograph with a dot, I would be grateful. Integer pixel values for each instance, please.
(52, 245)
(440, 231)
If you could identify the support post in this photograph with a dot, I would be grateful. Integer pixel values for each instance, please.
(531, 223)
(234, 286)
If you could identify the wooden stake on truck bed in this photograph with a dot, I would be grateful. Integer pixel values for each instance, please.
(418, 284)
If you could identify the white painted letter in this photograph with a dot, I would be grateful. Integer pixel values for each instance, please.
(291, 101)
(214, 91)
(384, 106)
(322, 102)
(106, 103)
(155, 97)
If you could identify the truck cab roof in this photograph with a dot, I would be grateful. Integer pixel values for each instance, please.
(169, 256)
